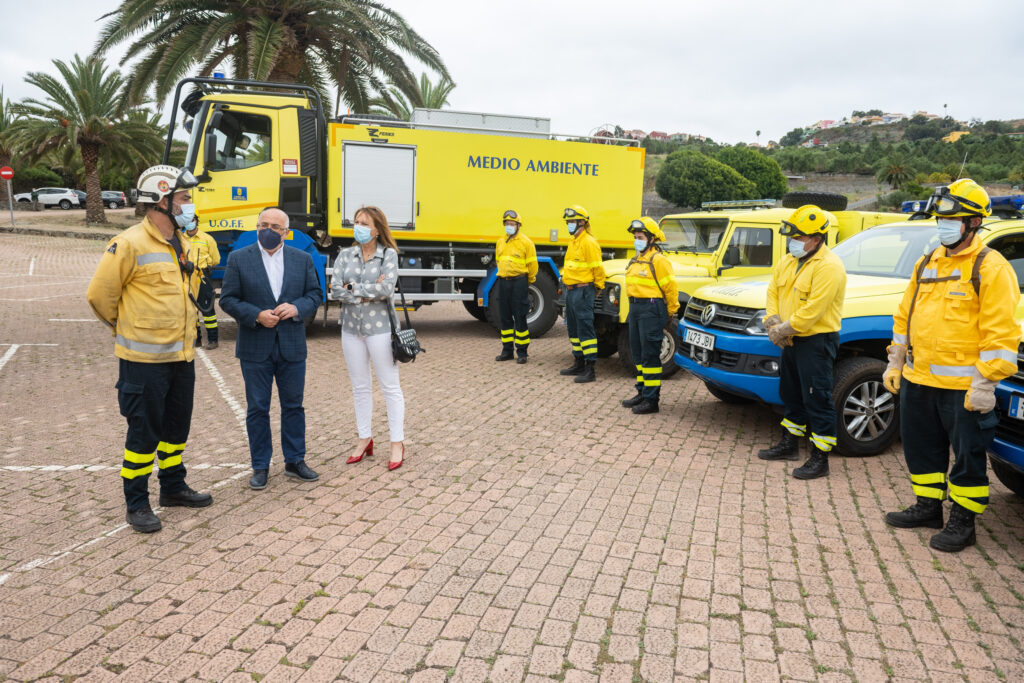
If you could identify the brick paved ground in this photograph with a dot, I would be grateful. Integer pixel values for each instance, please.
(537, 530)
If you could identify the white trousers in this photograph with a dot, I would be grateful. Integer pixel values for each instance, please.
(360, 352)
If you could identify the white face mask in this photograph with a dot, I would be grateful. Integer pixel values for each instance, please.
(571, 227)
(948, 229)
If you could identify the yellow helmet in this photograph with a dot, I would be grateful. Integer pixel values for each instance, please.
(806, 221)
(513, 215)
(648, 225)
(963, 198)
(576, 212)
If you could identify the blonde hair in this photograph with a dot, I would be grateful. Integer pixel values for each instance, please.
(380, 222)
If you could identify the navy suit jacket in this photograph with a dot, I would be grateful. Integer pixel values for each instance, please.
(246, 291)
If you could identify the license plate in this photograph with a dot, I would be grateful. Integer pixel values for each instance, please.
(704, 340)
(1016, 407)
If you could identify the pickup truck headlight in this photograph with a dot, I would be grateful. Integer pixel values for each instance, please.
(756, 326)
(611, 294)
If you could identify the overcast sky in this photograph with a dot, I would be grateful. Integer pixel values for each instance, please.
(723, 69)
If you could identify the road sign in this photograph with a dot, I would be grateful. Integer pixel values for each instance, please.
(6, 172)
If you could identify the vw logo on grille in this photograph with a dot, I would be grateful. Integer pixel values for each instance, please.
(708, 314)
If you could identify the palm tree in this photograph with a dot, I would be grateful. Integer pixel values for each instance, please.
(83, 113)
(894, 171)
(392, 102)
(355, 45)
(7, 117)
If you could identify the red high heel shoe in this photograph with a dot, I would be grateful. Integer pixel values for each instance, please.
(395, 465)
(353, 459)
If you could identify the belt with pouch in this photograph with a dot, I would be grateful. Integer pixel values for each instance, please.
(583, 284)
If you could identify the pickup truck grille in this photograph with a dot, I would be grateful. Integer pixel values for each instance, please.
(1020, 364)
(730, 318)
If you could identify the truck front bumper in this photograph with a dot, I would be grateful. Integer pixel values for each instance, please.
(742, 364)
(1008, 446)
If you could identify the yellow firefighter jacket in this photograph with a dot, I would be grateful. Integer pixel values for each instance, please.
(955, 329)
(649, 276)
(204, 248)
(583, 261)
(141, 292)
(810, 297)
(516, 255)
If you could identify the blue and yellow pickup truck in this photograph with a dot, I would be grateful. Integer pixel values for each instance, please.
(722, 341)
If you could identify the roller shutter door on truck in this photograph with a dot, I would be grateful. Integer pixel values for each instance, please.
(383, 176)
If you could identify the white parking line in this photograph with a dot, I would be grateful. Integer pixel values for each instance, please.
(73, 320)
(222, 386)
(39, 284)
(32, 265)
(7, 356)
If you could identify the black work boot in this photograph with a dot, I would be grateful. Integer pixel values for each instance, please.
(635, 401)
(926, 512)
(816, 465)
(646, 407)
(143, 520)
(786, 449)
(959, 531)
(588, 373)
(574, 369)
(503, 356)
(186, 498)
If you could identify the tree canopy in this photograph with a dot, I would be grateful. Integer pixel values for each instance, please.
(757, 168)
(688, 178)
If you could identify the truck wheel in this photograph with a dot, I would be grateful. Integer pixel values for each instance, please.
(607, 344)
(469, 287)
(867, 416)
(543, 312)
(725, 396)
(1011, 478)
(830, 201)
(668, 350)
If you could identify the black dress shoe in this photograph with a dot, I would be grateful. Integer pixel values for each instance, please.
(186, 498)
(258, 480)
(143, 520)
(521, 360)
(300, 470)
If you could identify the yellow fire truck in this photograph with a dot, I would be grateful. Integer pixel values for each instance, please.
(443, 180)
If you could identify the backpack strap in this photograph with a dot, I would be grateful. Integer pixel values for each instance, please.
(976, 270)
(921, 266)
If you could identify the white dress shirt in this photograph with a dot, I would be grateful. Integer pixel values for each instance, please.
(274, 263)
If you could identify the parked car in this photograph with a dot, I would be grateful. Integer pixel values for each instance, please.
(50, 196)
(1006, 454)
(111, 199)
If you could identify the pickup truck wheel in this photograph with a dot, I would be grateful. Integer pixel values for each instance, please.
(607, 344)
(867, 416)
(668, 350)
(830, 201)
(65, 204)
(469, 287)
(725, 396)
(1011, 478)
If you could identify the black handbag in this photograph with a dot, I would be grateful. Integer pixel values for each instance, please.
(404, 345)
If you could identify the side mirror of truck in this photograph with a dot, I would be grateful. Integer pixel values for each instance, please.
(730, 259)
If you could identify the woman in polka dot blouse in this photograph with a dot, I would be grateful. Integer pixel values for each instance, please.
(364, 280)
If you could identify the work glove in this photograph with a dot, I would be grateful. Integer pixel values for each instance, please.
(981, 397)
(672, 325)
(771, 321)
(894, 370)
(781, 334)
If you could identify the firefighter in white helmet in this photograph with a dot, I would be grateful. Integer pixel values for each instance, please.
(804, 314)
(954, 338)
(144, 289)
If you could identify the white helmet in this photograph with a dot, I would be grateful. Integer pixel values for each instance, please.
(156, 182)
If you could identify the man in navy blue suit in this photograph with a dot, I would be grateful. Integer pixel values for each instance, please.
(271, 289)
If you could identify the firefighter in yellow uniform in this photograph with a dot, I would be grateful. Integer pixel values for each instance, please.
(954, 338)
(804, 312)
(582, 277)
(144, 289)
(517, 268)
(653, 304)
(206, 257)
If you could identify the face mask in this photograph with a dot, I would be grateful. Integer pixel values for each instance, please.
(571, 227)
(796, 248)
(949, 230)
(268, 238)
(510, 230)
(640, 245)
(187, 215)
(361, 233)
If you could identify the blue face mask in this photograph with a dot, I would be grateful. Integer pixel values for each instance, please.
(361, 233)
(949, 230)
(571, 227)
(187, 215)
(510, 230)
(796, 248)
(641, 245)
(268, 239)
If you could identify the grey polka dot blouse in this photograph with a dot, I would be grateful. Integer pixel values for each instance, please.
(365, 309)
